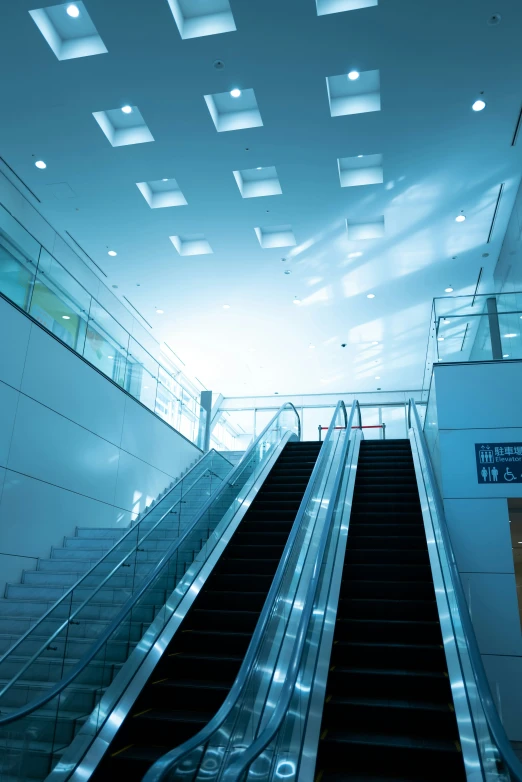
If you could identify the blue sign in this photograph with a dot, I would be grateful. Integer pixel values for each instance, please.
(499, 462)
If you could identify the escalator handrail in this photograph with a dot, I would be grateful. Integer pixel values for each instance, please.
(496, 728)
(162, 766)
(131, 602)
(78, 583)
(235, 771)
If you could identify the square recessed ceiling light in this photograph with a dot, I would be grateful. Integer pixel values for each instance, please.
(255, 182)
(196, 18)
(69, 37)
(354, 97)
(191, 244)
(229, 113)
(161, 193)
(367, 229)
(365, 170)
(337, 6)
(123, 128)
(275, 236)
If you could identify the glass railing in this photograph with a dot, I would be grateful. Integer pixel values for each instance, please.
(90, 320)
(487, 752)
(484, 327)
(173, 583)
(258, 690)
(48, 652)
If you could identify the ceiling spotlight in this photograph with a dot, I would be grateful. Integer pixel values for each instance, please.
(164, 180)
(112, 253)
(460, 218)
(73, 11)
(235, 92)
(510, 336)
(377, 377)
(66, 317)
(440, 339)
(159, 312)
(259, 168)
(371, 296)
(360, 155)
(226, 306)
(111, 358)
(375, 343)
(40, 164)
(353, 75)
(478, 105)
(354, 255)
(296, 300)
(127, 109)
(449, 289)
(505, 355)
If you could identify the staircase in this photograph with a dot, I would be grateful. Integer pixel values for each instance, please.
(198, 668)
(388, 712)
(29, 746)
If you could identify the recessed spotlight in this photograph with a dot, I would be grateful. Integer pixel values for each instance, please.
(478, 105)
(73, 11)
(377, 377)
(440, 339)
(112, 253)
(40, 164)
(66, 317)
(164, 180)
(510, 336)
(235, 92)
(354, 255)
(449, 289)
(460, 218)
(226, 306)
(296, 300)
(370, 296)
(375, 343)
(360, 155)
(127, 109)
(353, 75)
(505, 355)
(160, 312)
(259, 168)
(111, 358)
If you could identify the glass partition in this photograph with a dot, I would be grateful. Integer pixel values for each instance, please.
(91, 325)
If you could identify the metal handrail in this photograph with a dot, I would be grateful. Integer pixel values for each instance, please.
(75, 586)
(488, 705)
(235, 771)
(131, 602)
(164, 764)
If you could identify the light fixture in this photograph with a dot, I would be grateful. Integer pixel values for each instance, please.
(112, 253)
(296, 300)
(287, 271)
(354, 255)
(440, 339)
(449, 289)
(111, 358)
(460, 218)
(235, 92)
(478, 105)
(259, 168)
(370, 296)
(66, 317)
(360, 155)
(164, 180)
(226, 306)
(505, 355)
(73, 11)
(375, 343)
(353, 75)
(40, 164)
(509, 336)
(377, 377)
(127, 109)
(159, 312)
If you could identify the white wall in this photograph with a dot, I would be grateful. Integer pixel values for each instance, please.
(74, 448)
(477, 403)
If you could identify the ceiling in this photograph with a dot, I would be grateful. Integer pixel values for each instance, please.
(435, 59)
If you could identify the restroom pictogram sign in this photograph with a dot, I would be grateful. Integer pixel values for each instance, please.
(499, 462)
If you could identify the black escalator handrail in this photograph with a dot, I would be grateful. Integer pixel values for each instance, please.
(131, 602)
(236, 770)
(496, 728)
(165, 764)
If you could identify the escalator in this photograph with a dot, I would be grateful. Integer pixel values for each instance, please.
(198, 668)
(388, 712)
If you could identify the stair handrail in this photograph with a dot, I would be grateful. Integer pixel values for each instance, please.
(78, 583)
(131, 602)
(165, 764)
(496, 728)
(237, 768)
